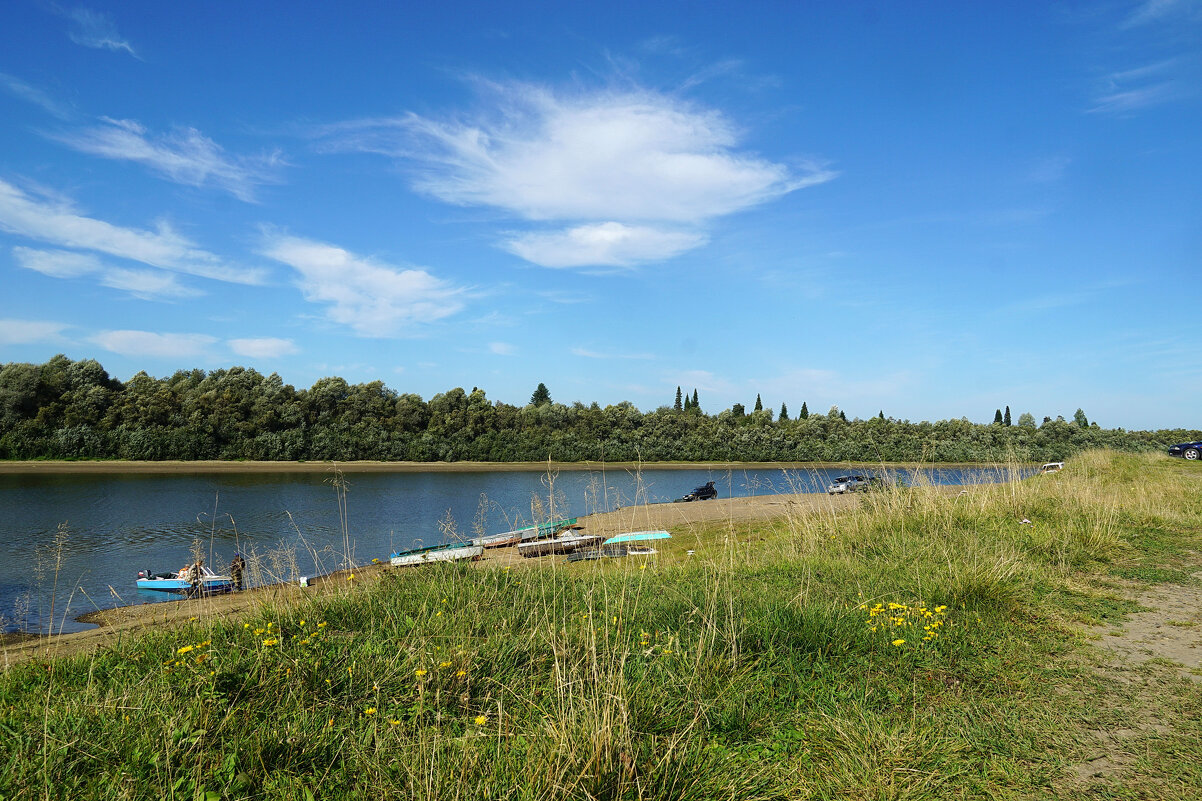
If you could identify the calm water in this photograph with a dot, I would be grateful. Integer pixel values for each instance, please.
(113, 526)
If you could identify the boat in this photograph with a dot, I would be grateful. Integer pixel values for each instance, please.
(455, 552)
(608, 552)
(524, 534)
(565, 543)
(177, 582)
(637, 536)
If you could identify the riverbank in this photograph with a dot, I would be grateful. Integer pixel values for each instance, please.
(1036, 639)
(123, 621)
(202, 467)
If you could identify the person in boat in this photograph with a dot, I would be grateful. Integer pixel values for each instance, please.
(237, 566)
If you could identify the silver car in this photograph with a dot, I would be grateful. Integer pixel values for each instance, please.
(843, 484)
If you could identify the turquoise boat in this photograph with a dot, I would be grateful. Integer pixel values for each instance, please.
(638, 536)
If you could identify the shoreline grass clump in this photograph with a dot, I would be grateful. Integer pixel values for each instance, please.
(918, 645)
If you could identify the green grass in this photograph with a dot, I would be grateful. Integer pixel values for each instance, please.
(749, 670)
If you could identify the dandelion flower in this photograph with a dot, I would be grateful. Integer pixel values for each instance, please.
(270, 642)
(444, 664)
(185, 649)
(481, 720)
(461, 673)
(419, 672)
(394, 722)
(899, 642)
(371, 710)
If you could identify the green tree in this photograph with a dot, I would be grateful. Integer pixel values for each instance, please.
(541, 395)
(784, 412)
(759, 405)
(997, 417)
(696, 405)
(881, 414)
(1026, 420)
(843, 415)
(1080, 419)
(737, 410)
(678, 407)
(1006, 417)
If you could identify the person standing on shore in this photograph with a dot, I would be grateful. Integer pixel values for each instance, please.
(237, 567)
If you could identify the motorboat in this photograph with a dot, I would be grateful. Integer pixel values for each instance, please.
(181, 582)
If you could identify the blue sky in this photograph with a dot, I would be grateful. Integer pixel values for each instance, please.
(930, 209)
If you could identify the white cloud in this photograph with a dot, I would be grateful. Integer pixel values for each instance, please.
(144, 284)
(501, 348)
(371, 298)
(148, 343)
(263, 347)
(57, 263)
(185, 155)
(608, 244)
(598, 159)
(57, 223)
(28, 332)
(147, 284)
(92, 29)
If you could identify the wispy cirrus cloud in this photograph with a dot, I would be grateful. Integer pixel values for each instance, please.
(154, 345)
(30, 332)
(1141, 87)
(263, 347)
(54, 221)
(94, 29)
(371, 298)
(184, 155)
(32, 94)
(144, 284)
(637, 165)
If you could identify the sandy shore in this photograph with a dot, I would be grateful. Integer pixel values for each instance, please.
(125, 621)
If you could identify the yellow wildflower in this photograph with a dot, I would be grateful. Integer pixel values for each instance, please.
(371, 710)
(185, 649)
(272, 641)
(419, 672)
(481, 720)
(461, 673)
(899, 642)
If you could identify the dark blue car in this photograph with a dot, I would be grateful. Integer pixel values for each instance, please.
(1187, 450)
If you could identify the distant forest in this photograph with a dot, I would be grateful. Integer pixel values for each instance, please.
(66, 409)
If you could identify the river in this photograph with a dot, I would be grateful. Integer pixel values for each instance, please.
(74, 543)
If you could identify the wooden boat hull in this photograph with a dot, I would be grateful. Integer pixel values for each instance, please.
(608, 552)
(446, 554)
(525, 534)
(559, 545)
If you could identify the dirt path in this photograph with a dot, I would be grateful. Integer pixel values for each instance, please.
(1142, 659)
(125, 621)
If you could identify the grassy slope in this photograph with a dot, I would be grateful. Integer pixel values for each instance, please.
(782, 660)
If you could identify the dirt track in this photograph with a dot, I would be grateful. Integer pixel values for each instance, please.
(126, 620)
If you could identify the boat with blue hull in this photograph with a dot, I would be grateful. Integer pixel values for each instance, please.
(180, 583)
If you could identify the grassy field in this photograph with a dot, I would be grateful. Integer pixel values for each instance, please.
(919, 645)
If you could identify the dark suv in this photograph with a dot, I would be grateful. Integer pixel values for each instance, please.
(703, 493)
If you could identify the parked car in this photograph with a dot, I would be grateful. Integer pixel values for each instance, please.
(1051, 467)
(857, 483)
(1187, 450)
(703, 493)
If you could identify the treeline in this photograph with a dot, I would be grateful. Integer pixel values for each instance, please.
(66, 409)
